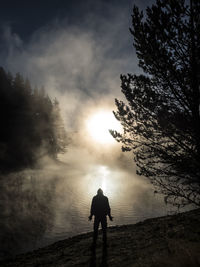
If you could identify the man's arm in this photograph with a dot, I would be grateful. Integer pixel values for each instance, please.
(91, 210)
(109, 210)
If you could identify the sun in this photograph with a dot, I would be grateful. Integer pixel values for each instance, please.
(99, 124)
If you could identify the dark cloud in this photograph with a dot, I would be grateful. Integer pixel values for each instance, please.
(25, 17)
(79, 63)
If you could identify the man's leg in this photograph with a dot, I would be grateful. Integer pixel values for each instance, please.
(104, 229)
(96, 227)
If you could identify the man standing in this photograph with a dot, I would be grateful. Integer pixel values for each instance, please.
(100, 208)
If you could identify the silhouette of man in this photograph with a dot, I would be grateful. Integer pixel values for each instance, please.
(100, 208)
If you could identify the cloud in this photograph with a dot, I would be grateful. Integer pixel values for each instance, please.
(10, 42)
(75, 63)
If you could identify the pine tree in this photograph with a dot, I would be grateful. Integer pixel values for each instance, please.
(161, 119)
(29, 127)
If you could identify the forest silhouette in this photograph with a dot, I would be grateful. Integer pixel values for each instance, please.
(31, 125)
(31, 129)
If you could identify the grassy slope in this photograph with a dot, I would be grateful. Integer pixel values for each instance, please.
(165, 241)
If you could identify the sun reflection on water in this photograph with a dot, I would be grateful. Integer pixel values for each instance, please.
(101, 177)
(103, 171)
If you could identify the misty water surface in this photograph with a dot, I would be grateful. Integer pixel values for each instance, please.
(131, 200)
(49, 204)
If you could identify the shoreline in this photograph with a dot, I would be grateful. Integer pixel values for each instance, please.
(172, 240)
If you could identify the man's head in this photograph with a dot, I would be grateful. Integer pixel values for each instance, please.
(100, 191)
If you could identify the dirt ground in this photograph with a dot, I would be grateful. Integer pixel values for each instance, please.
(165, 241)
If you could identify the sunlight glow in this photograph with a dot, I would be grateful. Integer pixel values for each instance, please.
(99, 124)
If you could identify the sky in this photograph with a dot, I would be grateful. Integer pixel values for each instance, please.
(77, 51)
(28, 16)
(78, 48)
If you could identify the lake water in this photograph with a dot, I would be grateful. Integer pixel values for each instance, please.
(131, 200)
(52, 204)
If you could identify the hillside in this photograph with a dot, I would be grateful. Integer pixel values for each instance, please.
(164, 241)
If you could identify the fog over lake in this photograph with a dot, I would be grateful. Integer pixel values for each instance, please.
(131, 198)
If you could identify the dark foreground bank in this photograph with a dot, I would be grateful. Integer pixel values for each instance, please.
(165, 241)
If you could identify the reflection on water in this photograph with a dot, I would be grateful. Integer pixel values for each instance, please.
(43, 206)
(130, 199)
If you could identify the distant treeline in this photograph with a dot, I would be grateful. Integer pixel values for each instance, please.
(31, 126)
